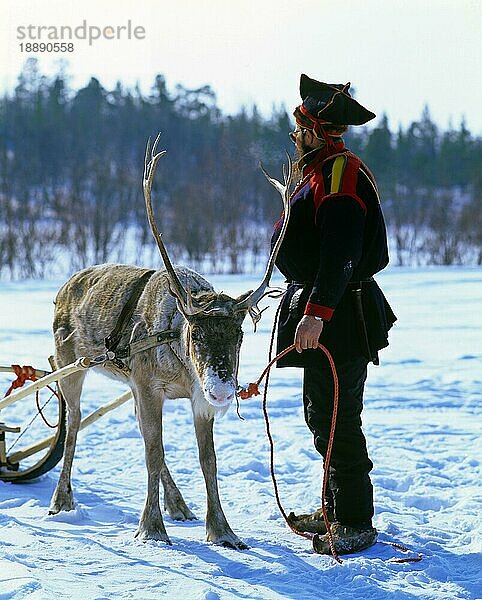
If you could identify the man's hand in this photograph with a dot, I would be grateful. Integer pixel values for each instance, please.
(307, 333)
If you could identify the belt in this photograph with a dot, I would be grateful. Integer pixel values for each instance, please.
(355, 287)
(351, 284)
(358, 283)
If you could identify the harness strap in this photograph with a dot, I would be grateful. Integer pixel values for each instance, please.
(151, 341)
(112, 340)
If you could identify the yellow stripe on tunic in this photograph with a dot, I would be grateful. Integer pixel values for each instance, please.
(337, 174)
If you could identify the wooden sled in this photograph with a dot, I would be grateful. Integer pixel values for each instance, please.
(25, 450)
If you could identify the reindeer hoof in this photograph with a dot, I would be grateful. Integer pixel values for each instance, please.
(145, 535)
(237, 545)
(61, 502)
(179, 511)
(179, 515)
(228, 540)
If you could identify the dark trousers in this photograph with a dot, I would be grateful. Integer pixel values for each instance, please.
(351, 491)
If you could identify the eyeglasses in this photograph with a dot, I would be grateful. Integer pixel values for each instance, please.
(294, 133)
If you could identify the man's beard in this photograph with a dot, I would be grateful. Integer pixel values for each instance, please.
(301, 150)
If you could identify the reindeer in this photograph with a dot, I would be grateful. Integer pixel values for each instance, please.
(200, 363)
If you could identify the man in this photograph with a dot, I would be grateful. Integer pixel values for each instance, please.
(334, 244)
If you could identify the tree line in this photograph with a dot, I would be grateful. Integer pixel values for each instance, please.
(71, 167)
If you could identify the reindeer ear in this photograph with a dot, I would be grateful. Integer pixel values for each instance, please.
(243, 296)
(241, 314)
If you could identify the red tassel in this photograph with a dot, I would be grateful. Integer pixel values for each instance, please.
(25, 373)
(252, 390)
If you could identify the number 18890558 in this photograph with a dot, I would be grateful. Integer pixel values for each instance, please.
(46, 47)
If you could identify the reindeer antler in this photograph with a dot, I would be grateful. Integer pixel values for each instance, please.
(186, 302)
(250, 303)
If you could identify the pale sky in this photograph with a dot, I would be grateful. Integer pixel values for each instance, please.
(398, 54)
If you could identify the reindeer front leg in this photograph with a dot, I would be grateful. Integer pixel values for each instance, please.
(149, 410)
(217, 527)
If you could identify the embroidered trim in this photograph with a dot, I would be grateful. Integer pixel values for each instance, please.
(337, 173)
(350, 177)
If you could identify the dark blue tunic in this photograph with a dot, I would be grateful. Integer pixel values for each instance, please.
(336, 238)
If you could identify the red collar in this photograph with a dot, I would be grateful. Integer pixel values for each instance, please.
(321, 156)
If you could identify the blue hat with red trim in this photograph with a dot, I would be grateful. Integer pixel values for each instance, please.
(331, 103)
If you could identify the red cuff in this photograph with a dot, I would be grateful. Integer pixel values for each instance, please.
(319, 311)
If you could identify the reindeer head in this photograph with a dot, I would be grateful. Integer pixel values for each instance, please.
(213, 321)
(214, 341)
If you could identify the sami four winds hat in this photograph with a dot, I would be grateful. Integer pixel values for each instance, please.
(332, 103)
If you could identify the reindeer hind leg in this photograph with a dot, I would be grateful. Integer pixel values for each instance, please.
(71, 388)
(173, 501)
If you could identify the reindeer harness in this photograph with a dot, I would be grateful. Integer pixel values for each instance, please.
(158, 338)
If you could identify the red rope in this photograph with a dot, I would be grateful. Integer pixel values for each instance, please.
(417, 558)
(40, 409)
(253, 390)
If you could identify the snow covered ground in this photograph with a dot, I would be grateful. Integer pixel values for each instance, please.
(422, 421)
